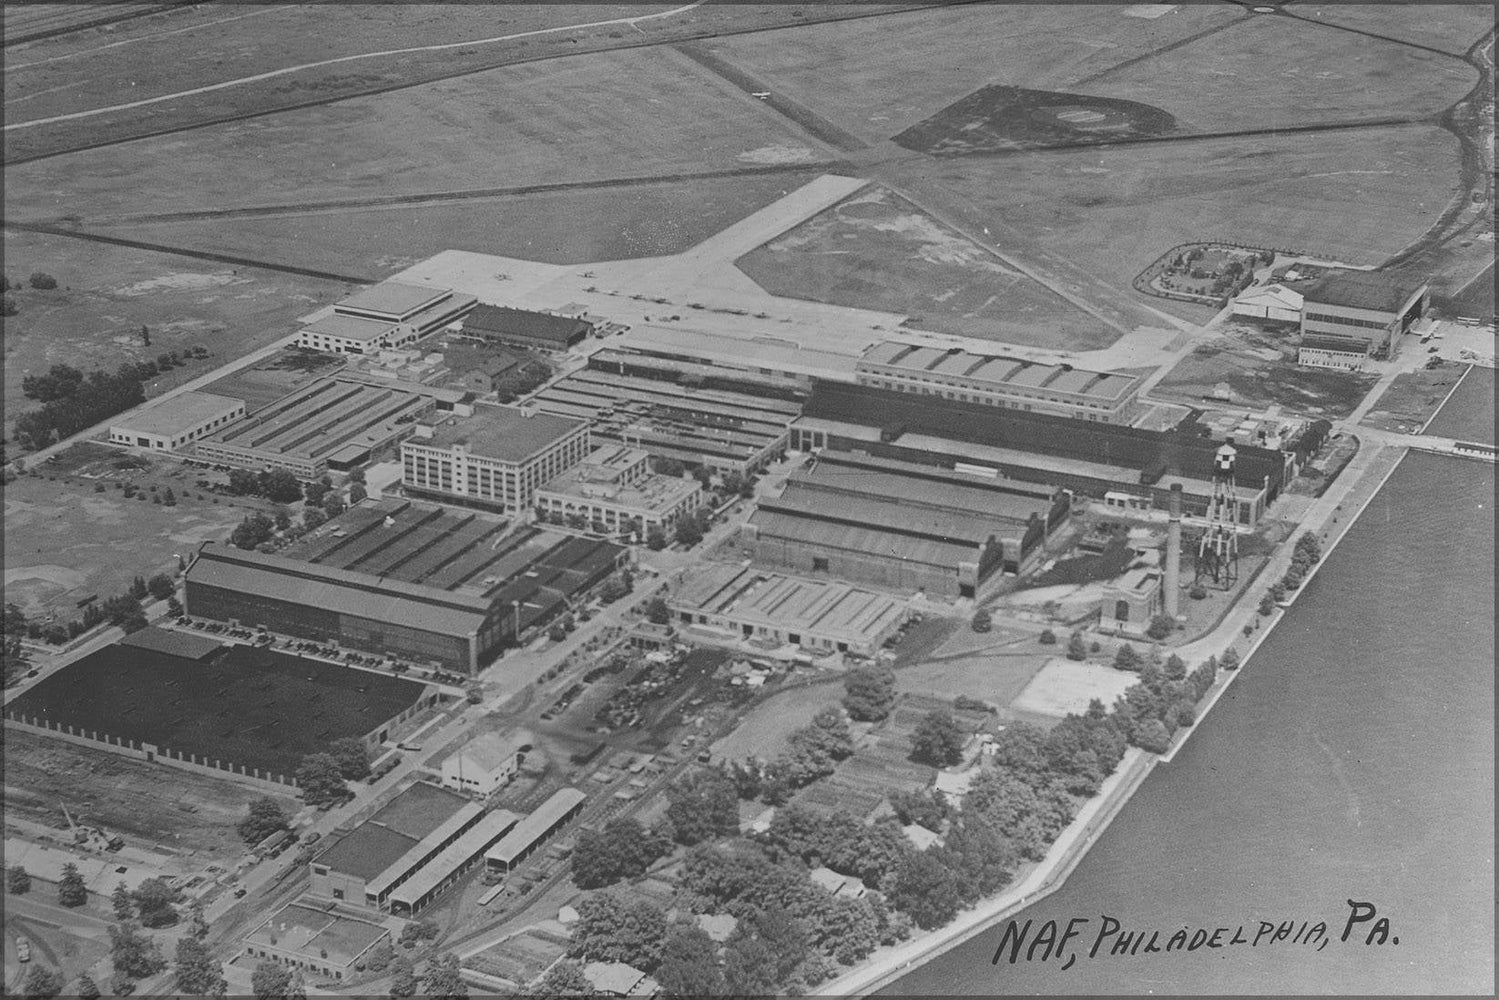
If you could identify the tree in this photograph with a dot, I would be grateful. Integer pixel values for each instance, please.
(71, 891)
(870, 693)
(689, 964)
(927, 890)
(611, 930)
(153, 900)
(1077, 648)
(1176, 668)
(1152, 736)
(333, 505)
(442, 979)
(266, 817)
(270, 980)
(132, 953)
(688, 532)
(43, 281)
(938, 739)
(1230, 659)
(983, 620)
(279, 486)
(320, 779)
(138, 588)
(253, 530)
(1048, 637)
(124, 906)
(352, 755)
(983, 859)
(1267, 606)
(624, 850)
(17, 880)
(702, 804)
(1126, 658)
(243, 482)
(1160, 627)
(87, 989)
(656, 611)
(316, 489)
(60, 382)
(161, 587)
(924, 808)
(313, 518)
(564, 979)
(41, 983)
(765, 946)
(198, 973)
(403, 978)
(357, 492)
(197, 922)
(655, 538)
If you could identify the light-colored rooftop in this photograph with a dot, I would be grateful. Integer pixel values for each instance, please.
(316, 933)
(653, 493)
(460, 852)
(526, 832)
(504, 433)
(779, 356)
(824, 608)
(492, 751)
(182, 413)
(350, 327)
(395, 299)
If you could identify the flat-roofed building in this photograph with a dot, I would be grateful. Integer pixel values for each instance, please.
(616, 979)
(389, 315)
(424, 583)
(526, 327)
(1005, 444)
(172, 423)
(721, 429)
(531, 832)
(614, 490)
(793, 360)
(1350, 316)
(819, 615)
(954, 373)
(369, 862)
(904, 525)
(495, 460)
(442, 872)
(484, 764)
(322, 942)
(1131, 600)
(303, 430)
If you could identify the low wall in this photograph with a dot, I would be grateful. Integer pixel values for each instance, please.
(151, 753)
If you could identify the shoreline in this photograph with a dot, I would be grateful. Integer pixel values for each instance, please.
(1072, 845)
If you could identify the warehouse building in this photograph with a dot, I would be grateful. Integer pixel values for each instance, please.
(325, 424)
(423, 583)
(485, 764)
(495, 460)
(525, 328)
(822, 616)
(1349, 317)
(722, 430)
(389, 315)
(317, 940)
(173, 423)
(1275, 303)
(783, 359)
(533, 831)
(375, 858)
(442, 872)
(613, 490)
(698, 375)
(954, 373)
(903, 525)
(1005, 444)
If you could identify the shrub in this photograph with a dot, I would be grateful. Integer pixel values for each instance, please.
(1048, 638)
(43, 281)
(1198, 592)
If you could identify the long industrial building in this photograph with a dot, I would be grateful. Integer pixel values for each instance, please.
(1090, 459)
(531, 832)
(388, 315)
(721, 429)
(1350, 316)
(903, 525)
(420, 582)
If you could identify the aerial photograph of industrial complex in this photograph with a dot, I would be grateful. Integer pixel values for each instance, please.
(726, 498)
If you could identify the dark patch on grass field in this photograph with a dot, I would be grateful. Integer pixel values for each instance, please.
(999, 118)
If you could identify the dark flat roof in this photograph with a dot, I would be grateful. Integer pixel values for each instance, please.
(501, 432)
(419, 810)
(508, 321)
(188, 645)
(366, 851)
(1362, 290)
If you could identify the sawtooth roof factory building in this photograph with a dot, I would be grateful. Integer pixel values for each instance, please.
(424, 583)
(954, 373)
(903, 525)
(1020, 446)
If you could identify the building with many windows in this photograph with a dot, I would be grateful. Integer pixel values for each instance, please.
(1348, 317)
(954, 373)
(170, 424)
(495, 460)
(614, 490)
(389, 315)
(526, 328)
(484, 764)
(323, 943)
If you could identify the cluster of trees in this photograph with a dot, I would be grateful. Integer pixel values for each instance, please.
(519, 381)
(938, 739)
(869, 693)
(813, 752)
(870, 853)
(71, 404)
(689, 530)
(623, 850)
(17, 880)
(617, 587)
(441, 978)
(276, 485)
(322, 776)
(134, 956)
(656, 611)
(265, 818)
(151, 903)
(702, 805)
(123, 610)
(1308, 553)
(274, 981)
(1164, 700)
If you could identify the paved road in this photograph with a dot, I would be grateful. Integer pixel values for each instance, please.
(386, 54)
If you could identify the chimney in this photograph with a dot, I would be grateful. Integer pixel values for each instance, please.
(1172, 583)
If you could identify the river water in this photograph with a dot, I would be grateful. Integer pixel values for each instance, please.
(1353, 760)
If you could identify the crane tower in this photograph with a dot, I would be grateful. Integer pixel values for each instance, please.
(1218, 549)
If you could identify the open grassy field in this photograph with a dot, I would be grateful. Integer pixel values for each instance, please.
(1412, 399)
(876, 250)
(1451, 27)
(643, 112)
(1261, 369)
(1469, 414)
(565, 227)
(1063, 686)
(105, 294)
(181, 810)
(1266, 72)
(931, 59)
(1356, 196)
(149, 59)
(64, 542)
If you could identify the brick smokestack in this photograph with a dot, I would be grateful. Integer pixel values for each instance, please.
(1174, 552)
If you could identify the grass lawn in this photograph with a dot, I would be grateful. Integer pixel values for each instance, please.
(105, 295)
(1412, 399)
(1469, 414)
(1062, 687)
(64, 542)
(1452, 27)
(764, 731)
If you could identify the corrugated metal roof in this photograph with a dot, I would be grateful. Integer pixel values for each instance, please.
(1369, 290)
(508, 321)
(528, 830)
(871, 541)
(457, 854)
